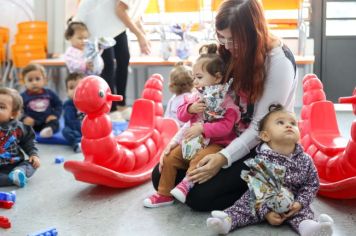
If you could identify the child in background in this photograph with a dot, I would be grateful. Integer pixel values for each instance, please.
(280, 135)
(72, 117)
(180, 84)
(208, 73)
(14, 169)
(84, 56)
(42, 107)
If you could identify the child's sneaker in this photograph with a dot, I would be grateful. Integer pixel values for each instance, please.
(18, 177)
(157, 200)
(181, 191)
(46, 132)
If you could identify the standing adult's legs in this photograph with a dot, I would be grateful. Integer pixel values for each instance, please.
(122, 56)
(109, 71)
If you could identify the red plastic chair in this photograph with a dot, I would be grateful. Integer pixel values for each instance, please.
(324, 130)
(141, 126)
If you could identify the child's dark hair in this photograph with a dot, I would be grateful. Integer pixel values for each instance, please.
(212, 62)
(181, 79)
(32, 67)
(271, 109)
(72, 27)
(74, 77)
(17, 101)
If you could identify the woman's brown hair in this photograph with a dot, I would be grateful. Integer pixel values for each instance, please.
(250, 38)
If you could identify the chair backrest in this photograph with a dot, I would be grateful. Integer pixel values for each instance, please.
(20, 48)
(5, 34)
(22, 59)
(4, 41)
(182, 5)
(2, 51)
(29, 38)
(33, 27)
(22, 54)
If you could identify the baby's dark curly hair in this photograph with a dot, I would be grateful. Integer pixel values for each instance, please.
(181, 79)
(271, 109)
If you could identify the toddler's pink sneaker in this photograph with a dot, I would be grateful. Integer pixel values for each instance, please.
(157, 200)
(181, 191)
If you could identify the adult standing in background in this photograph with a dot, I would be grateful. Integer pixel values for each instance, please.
(111, 18)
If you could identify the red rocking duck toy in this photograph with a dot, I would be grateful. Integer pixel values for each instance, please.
(128, 159)
(333, 155)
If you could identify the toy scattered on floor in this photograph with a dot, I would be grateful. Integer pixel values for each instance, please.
(8, 196)
(7, 199)
(128, 159)
(58, 159)
(333, 155)
(5, 222)
(46, 232)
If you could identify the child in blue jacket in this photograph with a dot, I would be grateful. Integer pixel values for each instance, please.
(72, 117)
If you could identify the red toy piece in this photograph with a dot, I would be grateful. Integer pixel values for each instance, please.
(128, 159)
(333, 155)
(5, 222)
(6, 204)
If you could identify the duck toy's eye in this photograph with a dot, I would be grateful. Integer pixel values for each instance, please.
(101, 93)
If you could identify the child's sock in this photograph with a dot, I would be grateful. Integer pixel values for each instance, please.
(46, 132)
(313, 228)
(220, 223)
(18, 177)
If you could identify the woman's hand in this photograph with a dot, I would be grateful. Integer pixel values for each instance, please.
(294, 209)
(274, 218)
(166, 151)
(145, 45)
(207, 168)
(197, 107)
(194, 131)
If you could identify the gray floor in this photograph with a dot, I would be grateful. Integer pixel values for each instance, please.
(54, 199)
